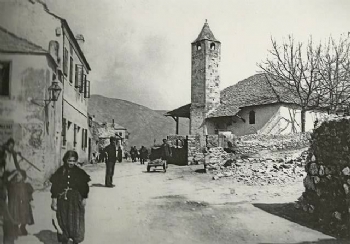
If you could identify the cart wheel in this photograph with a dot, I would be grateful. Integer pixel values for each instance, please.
(148, 168)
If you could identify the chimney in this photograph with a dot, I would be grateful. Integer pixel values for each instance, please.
(81, 40)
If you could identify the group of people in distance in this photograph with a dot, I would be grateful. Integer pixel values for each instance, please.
(141, 154)
(69, 191)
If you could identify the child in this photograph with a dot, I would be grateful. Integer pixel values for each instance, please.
(20, 202)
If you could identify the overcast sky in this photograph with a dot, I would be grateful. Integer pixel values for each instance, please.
(139, 50)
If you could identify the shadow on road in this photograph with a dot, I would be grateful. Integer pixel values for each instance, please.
(200, 171)
(288, 211)
(323, 241)
(98, 185)
(155, 171)
(47, 237)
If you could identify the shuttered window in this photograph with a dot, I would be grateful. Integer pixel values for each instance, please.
(75, 134)
(87, 89)
(71, 70)
(64, 132)
(79, 76)
(65, 62)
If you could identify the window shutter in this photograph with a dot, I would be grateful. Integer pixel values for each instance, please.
(82, 83)
(75, 135)
(71, 69)
(87, 89)
(78, 75)
(83, 139)
(64, 128)
(86, 137)
(65, 61)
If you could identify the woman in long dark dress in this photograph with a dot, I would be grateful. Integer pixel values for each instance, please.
(69, 192)
(20, 202)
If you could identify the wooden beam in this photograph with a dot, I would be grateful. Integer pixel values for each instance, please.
(177, 125)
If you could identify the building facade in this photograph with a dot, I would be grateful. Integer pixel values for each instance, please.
(32, 20)
(27, 114)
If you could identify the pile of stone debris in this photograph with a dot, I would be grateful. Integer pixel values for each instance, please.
(327, 184)
(254, 171)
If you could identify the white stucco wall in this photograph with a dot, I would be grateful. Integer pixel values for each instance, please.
(36, 128)
(74, 107)
(269, 119)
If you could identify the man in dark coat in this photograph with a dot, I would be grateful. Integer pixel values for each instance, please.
(111, 153)
(143, 155)
(166, 151)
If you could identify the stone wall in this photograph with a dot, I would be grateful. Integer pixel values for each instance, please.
(327, 184)
(194, 149)
(254, 143)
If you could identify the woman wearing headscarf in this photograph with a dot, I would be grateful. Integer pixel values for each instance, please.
(69, 192)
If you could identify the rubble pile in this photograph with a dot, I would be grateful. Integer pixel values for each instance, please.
(254, 143)
(255, 171)
(327, 184)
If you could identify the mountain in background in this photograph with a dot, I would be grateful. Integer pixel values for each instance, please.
(144, 124)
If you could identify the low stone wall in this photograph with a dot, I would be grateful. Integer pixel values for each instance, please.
(254, 143)
(327, 184)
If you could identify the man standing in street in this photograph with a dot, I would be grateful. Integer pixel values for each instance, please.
(166, 151)
(111, 153)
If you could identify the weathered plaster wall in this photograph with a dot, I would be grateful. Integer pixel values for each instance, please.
(30, 20)
(35, 127)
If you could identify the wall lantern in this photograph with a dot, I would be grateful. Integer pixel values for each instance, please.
(54, 92)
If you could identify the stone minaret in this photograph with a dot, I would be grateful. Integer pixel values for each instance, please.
(205, 79)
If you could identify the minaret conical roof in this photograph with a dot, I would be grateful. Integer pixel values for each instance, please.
(206, 34)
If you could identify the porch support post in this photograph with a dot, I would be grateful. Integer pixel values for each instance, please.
(176, 118)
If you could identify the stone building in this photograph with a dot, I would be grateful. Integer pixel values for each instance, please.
(251, 106)
(32, 20)
(105, 130)
(28, 112)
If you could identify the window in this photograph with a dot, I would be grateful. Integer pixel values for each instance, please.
(212, 46)
(83, 139)
(71, 70)
(251, 117)
(199, 47)
(4, 78)
(87, 89)
(75, 135)
(79, 76)
(82, 83)
(65, 62)
(86, 138)
(64, 132)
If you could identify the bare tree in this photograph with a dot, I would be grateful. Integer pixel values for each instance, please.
(294, 69)
(334, 72)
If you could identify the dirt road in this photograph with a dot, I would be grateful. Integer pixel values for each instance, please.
(180, 206)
